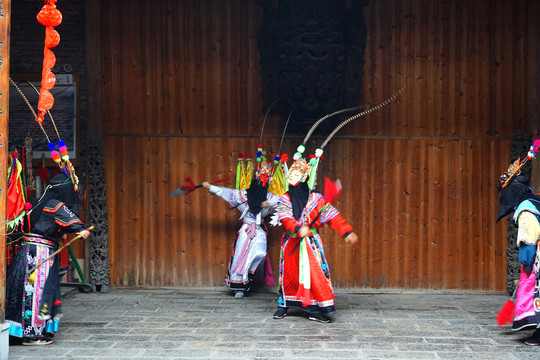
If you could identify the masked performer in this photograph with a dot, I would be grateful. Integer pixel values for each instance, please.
(304, 276)
(515, 195)
(249, 249)
(33, 300)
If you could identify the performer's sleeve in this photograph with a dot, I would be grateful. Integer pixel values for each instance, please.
(527, 238)
(232, 196)
(66, 218)
(285, 215)
(331, 216)
(528, 229)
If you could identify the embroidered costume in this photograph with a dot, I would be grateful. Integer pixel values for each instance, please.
(527, 308)
(249, 248)
(33, 299)
(255, 202)
(304, 275)
(515, 195)
(33, 282)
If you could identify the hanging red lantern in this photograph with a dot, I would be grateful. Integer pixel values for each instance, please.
(48, 80)
(49, 14)
(52, 37)
(49, 59)
(46, 100)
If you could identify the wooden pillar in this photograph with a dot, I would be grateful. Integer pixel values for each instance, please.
(93, 68)
(5, 23)
(97, 247)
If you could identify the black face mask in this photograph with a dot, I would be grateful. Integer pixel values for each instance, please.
(299, 195)
(60, 188)
(517, 191)
(256, 194)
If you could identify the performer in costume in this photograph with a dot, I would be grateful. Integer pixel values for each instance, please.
(33, 300)
(516, 195)
(249, 249)
(304, 275)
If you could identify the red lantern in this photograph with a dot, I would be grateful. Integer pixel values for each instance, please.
(46, 100)
(52, 37)
(48, 80)
(49, 16)
(49, 59)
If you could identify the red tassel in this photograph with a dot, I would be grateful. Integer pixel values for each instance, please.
(191, 185)
(506, 315)
(43, 173)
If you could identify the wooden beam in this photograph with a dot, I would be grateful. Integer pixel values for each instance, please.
(93, 86)
(5, 24)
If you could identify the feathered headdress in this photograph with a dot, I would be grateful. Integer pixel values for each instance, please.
(311, 168)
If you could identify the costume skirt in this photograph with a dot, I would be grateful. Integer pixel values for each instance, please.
(25, 293)
(527, 309)
(304, 276)
(248, 251)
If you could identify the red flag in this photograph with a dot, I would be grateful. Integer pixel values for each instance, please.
(332, 190)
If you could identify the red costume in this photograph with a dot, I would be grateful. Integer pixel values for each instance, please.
(304, 276)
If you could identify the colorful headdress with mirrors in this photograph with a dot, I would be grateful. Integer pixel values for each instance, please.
(263, 171)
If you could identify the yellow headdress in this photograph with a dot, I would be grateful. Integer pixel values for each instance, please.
(264, 172)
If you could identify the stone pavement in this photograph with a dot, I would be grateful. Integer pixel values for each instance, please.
(209, 323)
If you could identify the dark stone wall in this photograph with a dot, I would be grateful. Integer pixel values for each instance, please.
(27, 36)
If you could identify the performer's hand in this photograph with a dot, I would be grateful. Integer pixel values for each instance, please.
(351, 238)
(304, 231)
(84, 234)
(265, 204)
(206, 185)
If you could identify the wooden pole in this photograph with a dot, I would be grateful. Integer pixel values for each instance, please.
(95, 100)
(57, 251)
(5, 24)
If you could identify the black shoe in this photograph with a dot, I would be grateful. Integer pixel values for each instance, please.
(280, 313)
(534, 340)
(319, 318)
